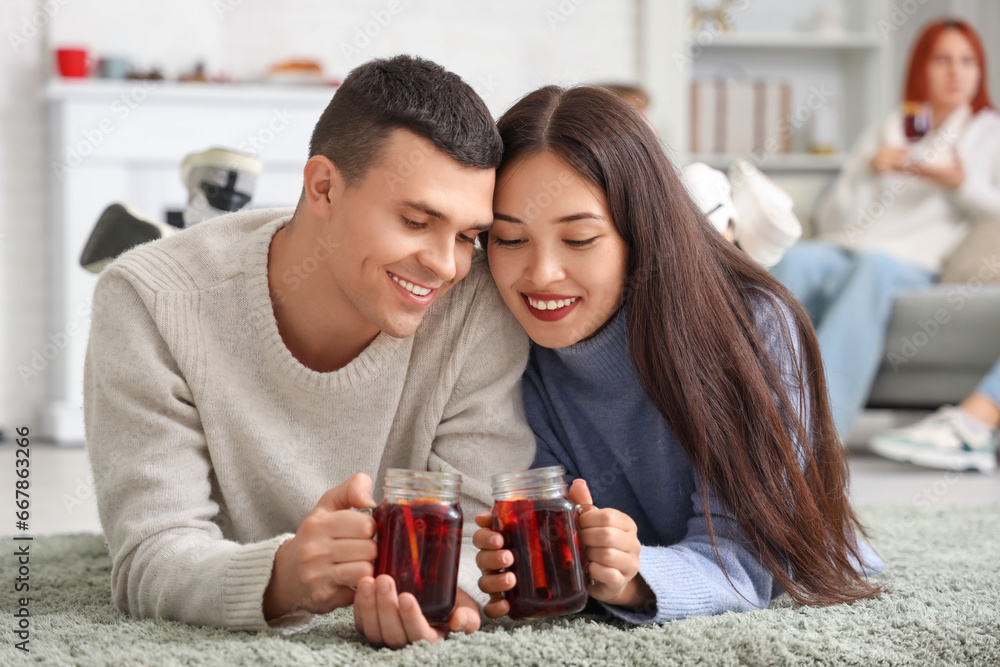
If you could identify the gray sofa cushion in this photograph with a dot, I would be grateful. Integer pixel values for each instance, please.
(940, 343)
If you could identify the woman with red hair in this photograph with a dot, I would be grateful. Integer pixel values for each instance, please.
(904, 201)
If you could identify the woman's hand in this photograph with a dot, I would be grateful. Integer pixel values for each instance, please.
(610, 543)
(388, 619)
(950, 174)
(492, 557)
(889, 159)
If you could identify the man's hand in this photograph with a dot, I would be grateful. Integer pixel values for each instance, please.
(387, 619)
(492, 557)
(610, 542)
(318, 569)
(890, 158)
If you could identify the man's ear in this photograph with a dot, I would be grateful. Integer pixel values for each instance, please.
(323, 185)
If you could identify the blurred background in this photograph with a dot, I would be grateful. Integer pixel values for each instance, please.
(139, 85)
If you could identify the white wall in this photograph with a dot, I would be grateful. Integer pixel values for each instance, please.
(503, 48)
(22, 234)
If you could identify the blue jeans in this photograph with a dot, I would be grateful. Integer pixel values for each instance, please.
(990, 385)
(849, 298)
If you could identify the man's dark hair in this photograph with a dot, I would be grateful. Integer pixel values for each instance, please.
(404, 93)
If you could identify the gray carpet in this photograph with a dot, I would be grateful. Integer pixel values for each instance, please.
(943, 607)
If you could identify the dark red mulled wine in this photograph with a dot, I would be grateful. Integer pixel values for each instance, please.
(419, 537)
(541, 534)
(917, 120)
(418, 546)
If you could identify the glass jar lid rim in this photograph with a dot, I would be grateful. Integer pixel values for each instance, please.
(526, 479)
(446, 476)
(547, 471)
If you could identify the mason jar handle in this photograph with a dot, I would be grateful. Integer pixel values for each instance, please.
(579, 509)
(367, 511)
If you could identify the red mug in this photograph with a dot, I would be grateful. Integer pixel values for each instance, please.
(73, 63)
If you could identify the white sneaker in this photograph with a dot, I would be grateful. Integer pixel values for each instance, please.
(119, 228)
(942, 440)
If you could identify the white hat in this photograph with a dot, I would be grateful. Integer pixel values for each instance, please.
(765, 223)
(710, 190)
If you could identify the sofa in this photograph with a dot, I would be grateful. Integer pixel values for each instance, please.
(943, 339)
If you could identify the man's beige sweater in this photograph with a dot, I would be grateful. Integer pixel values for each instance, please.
(210, 442)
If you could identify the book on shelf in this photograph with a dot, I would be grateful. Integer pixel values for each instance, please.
(737, 116)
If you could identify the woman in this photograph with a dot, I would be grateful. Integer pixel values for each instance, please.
(898, 211)
(669, 371)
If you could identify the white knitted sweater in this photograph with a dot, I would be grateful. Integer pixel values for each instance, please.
(913, 218)
(210, 442)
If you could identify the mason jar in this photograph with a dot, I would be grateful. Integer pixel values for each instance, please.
(419, 536)
(538, 523)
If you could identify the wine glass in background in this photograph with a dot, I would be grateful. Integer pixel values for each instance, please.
(917, 119)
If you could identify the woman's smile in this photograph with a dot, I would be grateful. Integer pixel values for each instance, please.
(555, 253)
(550, 307)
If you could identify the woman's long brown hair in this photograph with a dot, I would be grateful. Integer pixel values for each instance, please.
(692, 302)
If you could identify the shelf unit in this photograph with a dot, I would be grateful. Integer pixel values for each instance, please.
(775, 162)
(793, 41)
(849, 69)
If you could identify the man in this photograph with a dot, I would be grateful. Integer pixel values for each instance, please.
(248, 378)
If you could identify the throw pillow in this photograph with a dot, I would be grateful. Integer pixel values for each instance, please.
(977, 257)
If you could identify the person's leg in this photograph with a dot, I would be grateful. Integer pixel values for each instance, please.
(852, 331)
(949, 439)
(984, 403)
(814, 272)
(952, 438)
